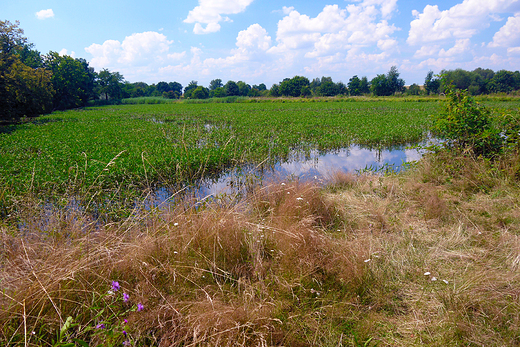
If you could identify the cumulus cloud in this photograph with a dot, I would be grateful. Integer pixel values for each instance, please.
(336, 29)
(210, 12)
(461, 21)
(136, 49)
(509, 34)
(44, 14)
(64, 52)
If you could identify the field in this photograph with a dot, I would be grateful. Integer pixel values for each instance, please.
(429, 256)
(116, 152)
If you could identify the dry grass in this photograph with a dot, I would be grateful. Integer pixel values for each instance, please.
(428, 257)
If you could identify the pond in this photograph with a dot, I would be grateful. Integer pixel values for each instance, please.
(310, 166)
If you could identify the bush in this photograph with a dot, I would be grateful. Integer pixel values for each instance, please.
(467, 126)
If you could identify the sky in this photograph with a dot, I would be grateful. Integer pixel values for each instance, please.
(264, 41)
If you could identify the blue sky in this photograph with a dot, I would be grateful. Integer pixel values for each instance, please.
(266, 41)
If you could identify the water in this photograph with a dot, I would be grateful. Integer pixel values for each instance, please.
(312, 166)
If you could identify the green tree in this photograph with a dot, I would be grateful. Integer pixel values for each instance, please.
(414, 89)
(503, 82)
(200, 93)
(395, 84)
(232, 89)
(215, 84)
(243, 88)
(466, 125)
(217, 93)
(379, 86)
(176, 87)
(364, 85)
(31, 92)
(110, 84)
(162, 87)
(327, 88)
(189, 89)
(293, 86)
(72, 79)
(11, 40)
(431, 83)
(275, 90)
(354, 86)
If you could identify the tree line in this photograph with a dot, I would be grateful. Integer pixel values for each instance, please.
(32, 84)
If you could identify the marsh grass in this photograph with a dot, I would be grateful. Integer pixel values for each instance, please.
(417, 258)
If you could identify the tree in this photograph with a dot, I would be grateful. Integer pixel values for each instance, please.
(293, 86)
(243, 88)
(217, 93)
(354, 86)
(275, 90)
(72, 79)
(395, 84)
(460, 78)
(379, 86)
(261, 87)
(200, 93)
(503, 82)
(11, 39)
(162, 87)
(176, 87)
(364, 85)
(327, 88)
(111, 84)
(232, 89)
(189, 89)
(30, 90)
(215, 84)
(431, 83)
(414, 89)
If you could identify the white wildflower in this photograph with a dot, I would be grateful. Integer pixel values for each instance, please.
(427, 273)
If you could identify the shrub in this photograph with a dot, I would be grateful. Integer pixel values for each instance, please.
(467, 126)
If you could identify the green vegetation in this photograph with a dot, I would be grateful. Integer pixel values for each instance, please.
(425, 257)
(122, 150)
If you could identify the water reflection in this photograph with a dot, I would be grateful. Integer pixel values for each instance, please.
(310, 166)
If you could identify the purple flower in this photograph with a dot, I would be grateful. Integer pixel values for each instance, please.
(124, 332)
(140, 307)
(125, 297)
(100, 326)
(125, 321)
(115, 286)
(126, 343)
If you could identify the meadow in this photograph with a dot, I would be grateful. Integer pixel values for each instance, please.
(425, 257)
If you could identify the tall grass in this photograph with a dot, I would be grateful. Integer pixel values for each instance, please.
(425, 257)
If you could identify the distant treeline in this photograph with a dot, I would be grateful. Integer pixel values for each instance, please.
(32, 84)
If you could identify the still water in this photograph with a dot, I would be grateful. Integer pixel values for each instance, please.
(311, 166)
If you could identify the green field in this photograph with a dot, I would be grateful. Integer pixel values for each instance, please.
(118, 151)
(131, 147)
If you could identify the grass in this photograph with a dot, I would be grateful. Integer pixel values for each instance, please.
(429, 257)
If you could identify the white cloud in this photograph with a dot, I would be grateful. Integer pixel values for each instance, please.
(337, 30)
(509, 34)
(461, 47)
(138, 55)
(64, 52)
(461, 21)
(44, 14)
(427, 51)
(209, 12)
(255, 37)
